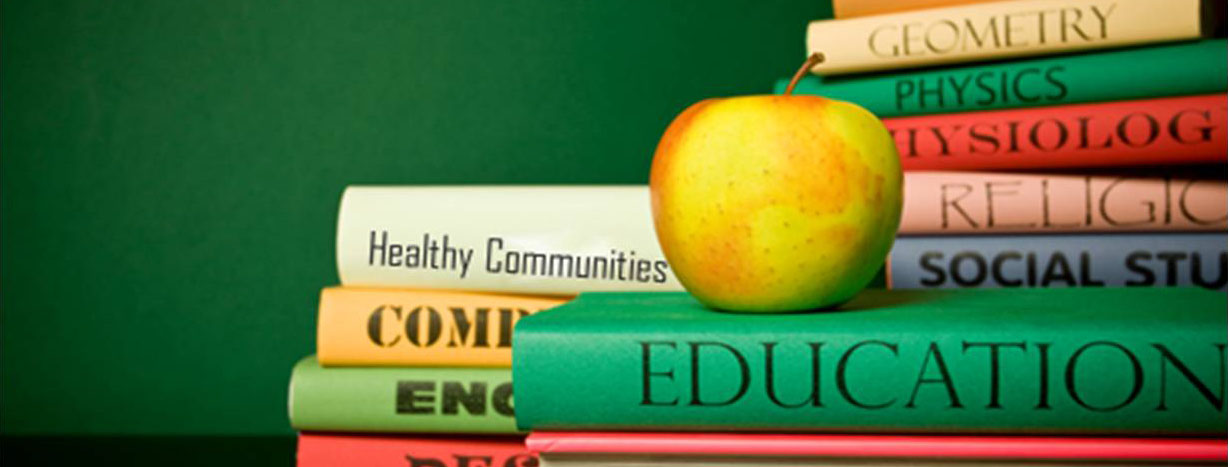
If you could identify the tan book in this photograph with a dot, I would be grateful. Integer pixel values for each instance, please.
(997, 30)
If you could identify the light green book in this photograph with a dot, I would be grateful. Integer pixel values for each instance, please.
(389, 399)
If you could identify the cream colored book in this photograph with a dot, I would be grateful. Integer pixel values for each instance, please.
(539, 240)
(997, 30)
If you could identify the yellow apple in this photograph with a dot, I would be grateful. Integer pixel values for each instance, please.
(776, 202)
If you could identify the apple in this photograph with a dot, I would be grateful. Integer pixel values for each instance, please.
(777, 202)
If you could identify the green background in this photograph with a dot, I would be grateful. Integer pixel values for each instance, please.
(170, 170)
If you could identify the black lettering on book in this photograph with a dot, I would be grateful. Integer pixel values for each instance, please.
(934, 354)
(509, 316)
(770, 377)
(1098, 376)
(423, 326)
(618, 265)
(502, 400)
(413, 326)
(1189, 215)
(842, 370)
(463, 460)
(375, 328)
(1072, 374)
(743, 373)
(947, 201)
(995, 367)
(1018, 91)
(417, 397)
(1221, 277)
(1203, 132)
(1000, 31)
(1136, 130)
(455, 395)
(928, 265)
(972, 268)
(648, 373)
(461, 327)
(432, 253)
(1042, 378)
(1167, 357)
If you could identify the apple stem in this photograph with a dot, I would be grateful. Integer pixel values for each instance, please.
(814, 59)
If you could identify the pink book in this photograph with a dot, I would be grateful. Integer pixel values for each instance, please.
(378, 450)
(880, 447)
(981, 202)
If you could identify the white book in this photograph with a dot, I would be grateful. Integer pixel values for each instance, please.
(1000, 30)
(557, 240)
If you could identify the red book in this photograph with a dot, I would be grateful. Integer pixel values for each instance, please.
(666, 447)
(329, 449)
(1171, 130)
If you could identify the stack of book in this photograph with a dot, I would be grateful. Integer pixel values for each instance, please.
(413, 356)
(1045, 143)
(1035, 173)
(1039, 375)
(895, 377)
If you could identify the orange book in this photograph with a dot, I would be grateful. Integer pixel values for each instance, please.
(337, 450)
(400, 327)
(854, 8)
(978, 202)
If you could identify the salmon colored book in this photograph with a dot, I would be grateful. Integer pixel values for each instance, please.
(338, 450)
(977, 202)
(401, 327)
(800, 448)
(1164, 131)
(854, 8)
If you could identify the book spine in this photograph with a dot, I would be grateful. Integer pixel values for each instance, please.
(335, 449)
(408, 400)
(1074, 375)
(1117, 260)
(1137, 73)
(843, 9)
(536, 240)
(975, 202)
(394, 327)
(1164, 131)
(883, 448)
(995, 30)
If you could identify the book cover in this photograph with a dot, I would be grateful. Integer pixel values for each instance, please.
(996, 30)
(1179, 69)
(1055, 260)
(1165, 131)
(368, 450)
(882, 447)
(659, 460)
(535, 240)
(842, 9)
(1078, 361)
(403, 327)
(404, 400)
(982, 202)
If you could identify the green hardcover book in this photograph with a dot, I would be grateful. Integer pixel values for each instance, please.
(1134, 73)
(388, 399)
(1053, 361)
